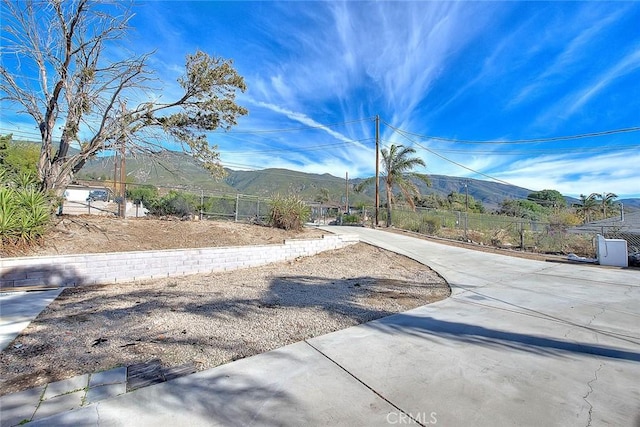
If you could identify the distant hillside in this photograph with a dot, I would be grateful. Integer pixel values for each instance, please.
(630, 203)
(166, 169)
(172, 169)
(491, 194)
(179, 170)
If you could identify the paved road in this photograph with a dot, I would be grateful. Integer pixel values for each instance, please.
(520, 342)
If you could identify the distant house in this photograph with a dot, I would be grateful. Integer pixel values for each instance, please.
(80, 193)
(76, 202)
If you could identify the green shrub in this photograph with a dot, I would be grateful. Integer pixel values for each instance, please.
(288, 213)
(350, 219)
(146, 194)
(24, 211)
(175, 203)
(411, 226)
(417, 222)
(429, 225)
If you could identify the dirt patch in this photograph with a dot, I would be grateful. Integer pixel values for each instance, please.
(95, 234)
(205, 320)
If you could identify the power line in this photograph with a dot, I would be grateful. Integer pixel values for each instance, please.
(405, 134)
(259, 131)
(310, 148)
(21, 132)
(524, 141)
(401, 133)
(602, 148)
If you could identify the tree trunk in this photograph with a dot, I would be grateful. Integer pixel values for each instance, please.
(55, 179)
(388, 207)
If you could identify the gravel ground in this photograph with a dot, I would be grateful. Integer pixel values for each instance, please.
(212, 319)
(94, 234)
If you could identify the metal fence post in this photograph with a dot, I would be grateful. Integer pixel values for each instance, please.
(201, 203)
(237, 206)
(466, 220)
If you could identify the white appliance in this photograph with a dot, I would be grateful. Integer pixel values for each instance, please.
(612, 251)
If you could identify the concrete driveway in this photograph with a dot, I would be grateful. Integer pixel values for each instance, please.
(519, 343)
(18, 309)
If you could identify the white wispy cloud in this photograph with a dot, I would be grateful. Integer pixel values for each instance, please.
(572, 39)
(367, 54)
(469, 70)
(581, 96)
(613, 172)
(305, 120)
(407, 51)
(626, 64)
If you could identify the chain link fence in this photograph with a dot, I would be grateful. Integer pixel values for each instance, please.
(632, 238)
(626, 227)
(512, 232)
(238, 207)
(485, 229)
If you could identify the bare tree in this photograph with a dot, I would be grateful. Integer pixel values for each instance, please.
(58, 67)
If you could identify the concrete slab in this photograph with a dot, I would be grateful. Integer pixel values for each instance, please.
(466, 373)
(294, 385)
(59, 404)
(18, 309)
(17, 407)
(519, 342)
(66, 386)
(103, 392)
(112, 376)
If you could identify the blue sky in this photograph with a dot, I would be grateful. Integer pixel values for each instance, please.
(499, 72)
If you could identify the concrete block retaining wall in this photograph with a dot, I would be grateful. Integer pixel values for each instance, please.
(95, 269)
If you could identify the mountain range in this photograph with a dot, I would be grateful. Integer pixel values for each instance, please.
(169, 169)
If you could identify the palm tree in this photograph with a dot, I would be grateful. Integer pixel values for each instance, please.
(587, 206)
(397, 165)
(606, 201)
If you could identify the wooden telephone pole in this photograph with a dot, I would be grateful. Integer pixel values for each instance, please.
(346, 185)
(122, 204)
(375, 224)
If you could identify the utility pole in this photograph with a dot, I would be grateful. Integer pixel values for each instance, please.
(466, 196)
(201, 204)
(346, 204)
(115, 174)
(122, 205)
(466, 208)
(375, 224)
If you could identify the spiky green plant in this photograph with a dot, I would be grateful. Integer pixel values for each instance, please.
(25, 180)
(288, 212)
(24, 213)
(8, 211)
(34, 214)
